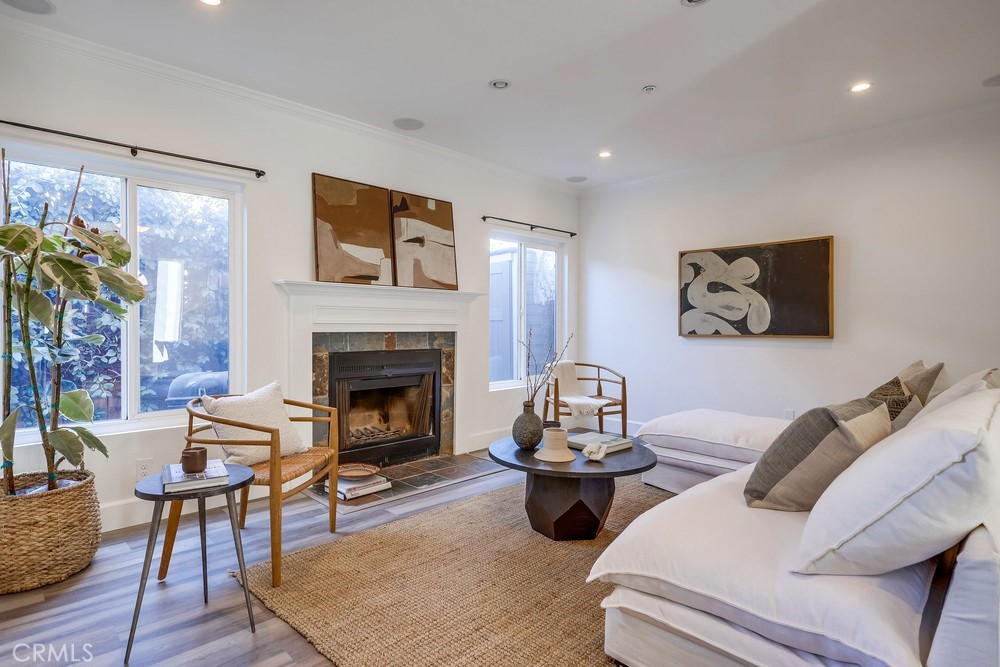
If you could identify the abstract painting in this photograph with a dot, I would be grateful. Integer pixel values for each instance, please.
(352, 231)
(772, 289)
(424, 242)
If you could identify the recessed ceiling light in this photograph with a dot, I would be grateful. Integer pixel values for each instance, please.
(408, 123)
(604, 154)
(576, 179)
(32, 6)
(649, 89)
(212, 2)
(992, 81)
(693, 3)
(499, 84)
(861, 86)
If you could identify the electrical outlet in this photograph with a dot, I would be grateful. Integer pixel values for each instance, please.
(143, 469)
(789, 414)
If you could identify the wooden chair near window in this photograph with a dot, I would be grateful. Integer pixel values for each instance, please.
(319, 462)
(610, 386)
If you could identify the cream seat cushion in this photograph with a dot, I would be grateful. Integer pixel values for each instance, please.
(707, 550)
(718, 433)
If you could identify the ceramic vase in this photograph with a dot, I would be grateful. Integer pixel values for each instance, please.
(555, 447)
(527, 428)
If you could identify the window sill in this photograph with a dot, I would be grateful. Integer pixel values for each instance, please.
(167, 419)
(507, 385)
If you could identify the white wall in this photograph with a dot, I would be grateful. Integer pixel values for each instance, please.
(915, 212)
(51, 81)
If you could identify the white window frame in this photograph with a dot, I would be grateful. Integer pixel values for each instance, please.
(210, 182)
(542, 243)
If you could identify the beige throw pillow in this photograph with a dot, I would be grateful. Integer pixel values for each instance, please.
(809, 454)
(925, 382)
(263, 407)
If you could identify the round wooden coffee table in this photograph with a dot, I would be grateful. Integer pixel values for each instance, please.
(571, 500)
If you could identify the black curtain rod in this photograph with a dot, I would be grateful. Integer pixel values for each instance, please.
(529, 225)
(134, 150)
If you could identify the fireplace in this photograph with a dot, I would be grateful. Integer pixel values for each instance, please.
(388, 404)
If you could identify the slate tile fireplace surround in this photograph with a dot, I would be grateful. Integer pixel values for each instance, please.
(394, 392)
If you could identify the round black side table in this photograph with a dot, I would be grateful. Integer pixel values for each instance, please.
(151, 488)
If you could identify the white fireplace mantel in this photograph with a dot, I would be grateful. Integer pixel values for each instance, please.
(344, 307)
(315, 307)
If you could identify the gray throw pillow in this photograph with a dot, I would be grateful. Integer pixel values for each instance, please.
(808, 455)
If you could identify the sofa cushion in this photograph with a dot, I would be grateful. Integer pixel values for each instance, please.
(668, 624)
(968, 632)
(263, 407)
(724, 435)
(812, 451)
(706, 549)
(920, 491)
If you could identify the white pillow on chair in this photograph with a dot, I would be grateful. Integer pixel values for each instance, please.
(263, 407)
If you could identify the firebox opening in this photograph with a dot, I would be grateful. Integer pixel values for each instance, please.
(387, 414)
(388, 404)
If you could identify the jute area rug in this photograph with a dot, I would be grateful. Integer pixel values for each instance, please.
(467, 584)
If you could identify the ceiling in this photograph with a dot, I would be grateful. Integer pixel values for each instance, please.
(732, 76)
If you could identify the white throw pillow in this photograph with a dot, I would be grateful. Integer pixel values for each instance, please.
(263, 407)
(726, 435)
(987, 379)
(910, 497)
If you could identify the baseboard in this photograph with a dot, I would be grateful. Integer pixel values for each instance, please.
(482, 440)
(135, 512)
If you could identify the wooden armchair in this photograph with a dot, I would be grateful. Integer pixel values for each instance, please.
(321, 462)
(604, 377)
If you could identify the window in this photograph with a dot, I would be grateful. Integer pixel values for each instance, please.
(524, 303)
(176, 344)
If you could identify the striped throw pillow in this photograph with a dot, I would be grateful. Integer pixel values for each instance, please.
(808, 455)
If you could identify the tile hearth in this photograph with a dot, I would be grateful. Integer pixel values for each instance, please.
(409, 479)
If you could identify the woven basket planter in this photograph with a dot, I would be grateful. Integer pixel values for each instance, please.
(48, 536)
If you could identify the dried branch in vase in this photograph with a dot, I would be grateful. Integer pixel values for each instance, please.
(537, 374)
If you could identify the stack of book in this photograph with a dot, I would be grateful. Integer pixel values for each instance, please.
(176, 480)
(355, 488)
(613, 442)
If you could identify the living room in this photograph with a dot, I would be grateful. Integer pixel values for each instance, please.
(907, 188)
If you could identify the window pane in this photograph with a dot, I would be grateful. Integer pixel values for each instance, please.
(99, 367)
(540, 305)
(503, 311)
(184, 321)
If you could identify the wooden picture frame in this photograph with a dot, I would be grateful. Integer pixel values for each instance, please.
(352, 233)
(780, 289)
(423, 233)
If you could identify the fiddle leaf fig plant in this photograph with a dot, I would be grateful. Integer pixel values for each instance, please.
(49, 268)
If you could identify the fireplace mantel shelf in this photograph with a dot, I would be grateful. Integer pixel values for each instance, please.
(314, 289)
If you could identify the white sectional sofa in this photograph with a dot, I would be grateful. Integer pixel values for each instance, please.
(704, 580)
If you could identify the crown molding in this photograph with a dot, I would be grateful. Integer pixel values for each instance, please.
(52, 40)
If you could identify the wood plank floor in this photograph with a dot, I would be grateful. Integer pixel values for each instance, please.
(86, 619)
